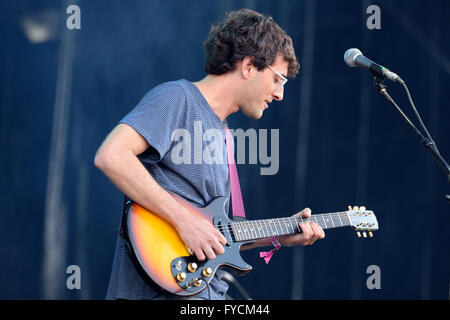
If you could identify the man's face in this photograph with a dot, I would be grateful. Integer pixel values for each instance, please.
(261, 89)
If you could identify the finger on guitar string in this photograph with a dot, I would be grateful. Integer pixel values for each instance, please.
(221, 238)
(305, 213)
(199, 254)
(218, 248)
(307, 233)
(317, 233)
(209, 253)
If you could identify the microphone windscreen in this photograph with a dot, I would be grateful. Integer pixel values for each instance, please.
(350, 55)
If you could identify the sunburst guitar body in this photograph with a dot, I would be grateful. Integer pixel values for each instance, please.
(164, 257)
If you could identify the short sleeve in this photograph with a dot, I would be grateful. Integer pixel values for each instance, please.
(157, 115)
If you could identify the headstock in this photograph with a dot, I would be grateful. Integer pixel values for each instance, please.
(362, 220)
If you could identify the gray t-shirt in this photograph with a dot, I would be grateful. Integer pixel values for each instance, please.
(168, 116)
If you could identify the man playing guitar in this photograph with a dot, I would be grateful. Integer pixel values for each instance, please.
(248, 58)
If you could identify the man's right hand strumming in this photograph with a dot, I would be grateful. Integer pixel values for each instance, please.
(199, 235)
(117, 159)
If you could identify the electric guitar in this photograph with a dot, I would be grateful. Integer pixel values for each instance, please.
(164, 257)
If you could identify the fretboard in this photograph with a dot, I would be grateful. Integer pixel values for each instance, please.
(257, 229)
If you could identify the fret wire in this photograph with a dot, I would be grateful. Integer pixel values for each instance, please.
(230, 230)
(271, 228)
(246, 230)
(290, 223)
(293, 220)
(281, 228)
(239, 231)
(297, 225)
(267, 228)
(289, 226)
(265, 224)
(238, 235)
(280, 232)
(340, 220)
(255, 236)
(244, 236)
(276, 227)
(323, 217)
(261, 235)
(285, 226)
(258, 228)
(334, 226)
(249, 230)
(325, 223)
(274, 222)
(261, 229)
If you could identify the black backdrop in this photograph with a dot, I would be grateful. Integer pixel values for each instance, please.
(340, 142)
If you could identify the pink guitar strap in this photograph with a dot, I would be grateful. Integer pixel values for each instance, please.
(236, 194)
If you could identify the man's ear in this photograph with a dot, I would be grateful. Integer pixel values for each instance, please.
(247, 68)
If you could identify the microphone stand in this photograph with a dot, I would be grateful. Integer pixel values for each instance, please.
(428, 143)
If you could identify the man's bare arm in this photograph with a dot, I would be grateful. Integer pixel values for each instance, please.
(117, 159)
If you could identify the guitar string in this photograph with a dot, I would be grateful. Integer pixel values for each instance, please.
(333, 215)
(276, 223)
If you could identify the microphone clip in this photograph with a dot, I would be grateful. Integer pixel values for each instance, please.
(378, 83)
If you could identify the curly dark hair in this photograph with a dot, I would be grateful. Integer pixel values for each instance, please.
(247, 33)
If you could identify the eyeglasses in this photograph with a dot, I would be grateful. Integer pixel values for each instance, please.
(281, 81)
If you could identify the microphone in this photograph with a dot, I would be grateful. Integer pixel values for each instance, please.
(354, 58)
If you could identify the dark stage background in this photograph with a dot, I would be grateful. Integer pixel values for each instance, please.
(341, 143)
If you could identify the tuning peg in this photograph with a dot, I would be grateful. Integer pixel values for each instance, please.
(364, 234)
(355, 208)
(362, 208)
(358, 234)
(370, 234)
(349, 207)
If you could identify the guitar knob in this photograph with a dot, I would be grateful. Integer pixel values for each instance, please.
(192, 267)
(181, 276)
(198, 282)
(207, 272)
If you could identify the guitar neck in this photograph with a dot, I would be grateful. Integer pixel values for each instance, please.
(256, 229)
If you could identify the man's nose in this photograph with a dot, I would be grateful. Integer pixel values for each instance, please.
(278, 95)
